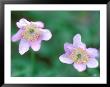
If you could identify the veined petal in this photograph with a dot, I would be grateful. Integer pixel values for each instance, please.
(64, 59)
(68, 47)
(93, 52)
(80, 67)
(17, 36)
(23, 46)
(22, 22)
(39, 24)
(77, 41)
(45, 34)
(36, 45)
(92, 63)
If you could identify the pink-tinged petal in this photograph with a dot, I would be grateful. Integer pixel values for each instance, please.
(45, 34)
(23, 46)
(17, 36)
(77, 41)
(19, 25)
(39, 24)
(68, 47)
(80, 67)
(93, 52)
(64, 59)
(22, 22)
(92, 63)
(36, 45)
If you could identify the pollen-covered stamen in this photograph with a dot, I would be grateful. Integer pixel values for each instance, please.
(31, 32)
(79, 56)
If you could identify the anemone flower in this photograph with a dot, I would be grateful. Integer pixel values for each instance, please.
(30, 34)
(79, 56)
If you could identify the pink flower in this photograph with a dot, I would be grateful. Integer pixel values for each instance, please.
(78, 55)
(30, 34)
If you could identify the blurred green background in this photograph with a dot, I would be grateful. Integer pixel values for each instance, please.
(63, 25)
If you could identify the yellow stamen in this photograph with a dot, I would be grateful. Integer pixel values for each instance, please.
(79, 56)
(31, 32)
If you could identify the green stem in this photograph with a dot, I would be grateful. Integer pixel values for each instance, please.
(33, 61)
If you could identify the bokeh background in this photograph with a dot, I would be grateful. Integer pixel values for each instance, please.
(63, 25)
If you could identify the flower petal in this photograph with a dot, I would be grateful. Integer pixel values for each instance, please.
(93, 52)
(65, 59)
(68, 47)
(17, 36)
(22, 22)
(45, 34)
(80, 67)
(39, 24)
(23, 46)
(36, 45)
(77, 41)
(93, 63)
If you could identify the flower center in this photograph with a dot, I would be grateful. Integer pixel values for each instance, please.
(31, 32)
(79, 56)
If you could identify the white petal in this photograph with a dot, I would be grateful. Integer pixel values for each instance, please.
(17, 36)
(22, 22)
(45, 34)
(65, 59)
(39, 24)
(80, 67)
(36, 45)
(19, 25)
(93, 52)
(68, 47)
(23, 46)
(77, 38)
(93, 63)
(77, 41)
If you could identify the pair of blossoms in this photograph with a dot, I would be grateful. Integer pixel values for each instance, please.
(31, 35)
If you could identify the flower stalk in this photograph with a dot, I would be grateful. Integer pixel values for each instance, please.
(33, 63)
